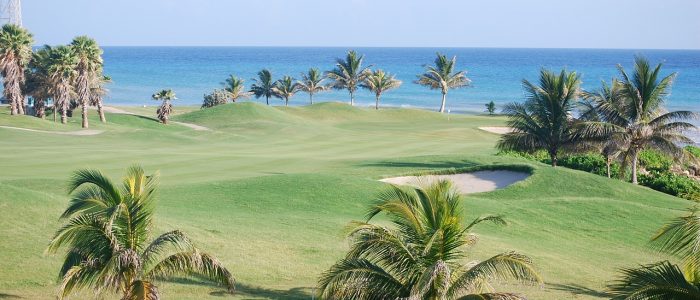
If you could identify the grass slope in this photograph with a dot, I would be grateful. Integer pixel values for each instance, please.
(270, 189)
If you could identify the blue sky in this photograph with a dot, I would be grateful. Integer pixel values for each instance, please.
(637, 24)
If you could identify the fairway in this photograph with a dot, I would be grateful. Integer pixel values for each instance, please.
(269, 191)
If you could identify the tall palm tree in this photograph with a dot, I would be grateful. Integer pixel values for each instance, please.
(15, 52)
(88, 69)
(235, 88)
(379, 82)
(98, 91)
(663, 280)
(442, 76)
(422, 255)
(544, 120)
(38, 83)
(166, 106)
(348, 73)
(263, 85)
(62, 64)
(638, 120)
(106, 233)
(285, 88)
(312, 83)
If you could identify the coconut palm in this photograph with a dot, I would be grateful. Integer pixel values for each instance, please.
(379, 82)
(106, 233)
(638, 119)
(348, 73)
(97, 93)
(664, 280)
(88, 69)
(235, 89)
(543, 121)
(62, 64)
(15, 52)
(491, 108)
(285, 88)
(166, 107)
(312, 83)
(263, 85)
(442, 76)
(38, 84)
(422, 256)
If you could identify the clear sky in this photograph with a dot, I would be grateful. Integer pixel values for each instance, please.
(638, 24)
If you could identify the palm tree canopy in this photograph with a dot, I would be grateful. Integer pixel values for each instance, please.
(285, 88)
(312, 81)
(106, 231)
(421, 256)
(62, 62)
(15, 44)
(88, 52)
(164, 95)
(263, 84)
(442, 75)
(543, 121)
(380, 81)
(658, 281)
(235, 88)
(348, 72)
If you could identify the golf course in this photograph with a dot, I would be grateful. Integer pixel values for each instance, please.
(270, 191)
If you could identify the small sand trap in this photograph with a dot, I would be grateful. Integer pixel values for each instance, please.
(497, 130)
(466, 183)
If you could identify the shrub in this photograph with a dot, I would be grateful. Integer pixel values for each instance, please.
(673, 184)
(539, 155)
(655, 161)
(217, 97)
(590, 162)
(693, 150)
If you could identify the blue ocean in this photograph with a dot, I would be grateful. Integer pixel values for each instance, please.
(496, 74)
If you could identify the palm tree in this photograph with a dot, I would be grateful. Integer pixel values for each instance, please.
(263, 86)
(348, 73)
(166, 107)
(97, 93)
(379, 82)
(638, 119)
(312, 83)
(664, 280)
(62, 64)
(285, 88)
(491, 108)
(422, 255)
(38, 83)
(89, 68)
(15, 52)
(442, 76)
(235, 89)
(543, 121)
(106, 233)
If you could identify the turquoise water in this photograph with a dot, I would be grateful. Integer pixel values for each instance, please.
(496, 74)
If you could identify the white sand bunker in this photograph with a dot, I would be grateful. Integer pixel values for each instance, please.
(497, 129)
(466, 183)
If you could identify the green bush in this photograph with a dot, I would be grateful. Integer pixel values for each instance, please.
(539, 155)
(590, 162)
(655, 161)
(693, 150)
(673, 184)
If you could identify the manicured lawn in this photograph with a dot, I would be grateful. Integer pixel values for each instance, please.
(269, 191)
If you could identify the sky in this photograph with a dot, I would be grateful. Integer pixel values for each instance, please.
(630, 24)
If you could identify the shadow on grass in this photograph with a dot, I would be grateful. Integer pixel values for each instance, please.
(420, 165)
(9, 296)
(247, 291)
(579, 290)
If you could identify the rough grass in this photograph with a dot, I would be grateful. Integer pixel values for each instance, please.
(270, 189)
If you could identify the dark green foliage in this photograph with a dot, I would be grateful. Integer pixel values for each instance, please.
(590, 162)
(693, 150)
(673, 184)
(217, 97)
(491, 108)
(655, 161)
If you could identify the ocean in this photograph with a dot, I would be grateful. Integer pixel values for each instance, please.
(496, 74)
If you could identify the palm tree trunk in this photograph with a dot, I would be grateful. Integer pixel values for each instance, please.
(101, 112)
(553, 157)
(352, 99)
(442, 106)
(267, 100)
(13, 107)
(635, 158)
(20, 105)
(607, 165)
(376, 106)
(64, 115)
(84, 114)
(286, 101)
(54, 110)
(311, 98)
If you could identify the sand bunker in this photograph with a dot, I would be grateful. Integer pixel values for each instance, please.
(466, 183)
(497, 130)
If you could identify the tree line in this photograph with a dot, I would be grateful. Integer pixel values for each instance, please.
(69, 75)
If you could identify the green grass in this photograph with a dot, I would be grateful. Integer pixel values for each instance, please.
(269, 191)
